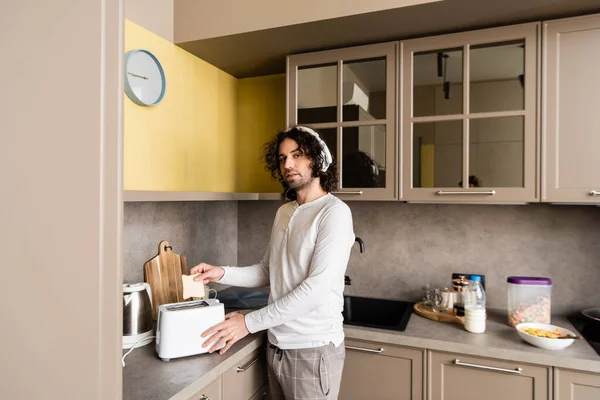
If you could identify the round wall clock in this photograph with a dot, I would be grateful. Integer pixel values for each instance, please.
(145, 82)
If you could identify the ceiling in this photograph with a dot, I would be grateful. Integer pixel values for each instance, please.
(263, 52)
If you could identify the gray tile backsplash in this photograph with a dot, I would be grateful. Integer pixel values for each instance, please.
(408, 245)
(202, 231)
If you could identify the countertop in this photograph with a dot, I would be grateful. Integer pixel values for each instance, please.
(146, 377)
(499, 341)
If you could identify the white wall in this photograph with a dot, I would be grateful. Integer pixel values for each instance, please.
(317, 87)
(60, 220)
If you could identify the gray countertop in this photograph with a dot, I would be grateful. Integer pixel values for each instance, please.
(499, 341)
(146, 377)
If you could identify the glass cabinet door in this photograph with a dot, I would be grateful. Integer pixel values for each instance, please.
(437, 82)
(469, 106)
(349, 97)
(438, 154)
(317, 94)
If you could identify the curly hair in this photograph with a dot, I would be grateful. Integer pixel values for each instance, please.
(311, 148)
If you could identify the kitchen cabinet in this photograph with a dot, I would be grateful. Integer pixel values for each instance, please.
(571, 167)
(261, 394)
(469, 116)
(575, 385)
(214, 391)
(349, 97)
(454, 376)
(247, 378)
(381, 371)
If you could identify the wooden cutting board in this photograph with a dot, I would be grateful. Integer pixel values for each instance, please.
(427, 312)
(163, 274)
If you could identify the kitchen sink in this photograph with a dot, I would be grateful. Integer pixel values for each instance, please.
(377, 313)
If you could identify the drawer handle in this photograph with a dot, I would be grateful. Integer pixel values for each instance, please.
(377, 351)
(594, 193)
(358, 192)
(243, 368)
(517, 370)
(452, 192)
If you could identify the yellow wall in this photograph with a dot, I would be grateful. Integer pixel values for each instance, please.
(207, 133)
(427, 165)
(261, 114)
(187, 142)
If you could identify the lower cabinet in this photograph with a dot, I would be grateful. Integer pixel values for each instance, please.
(380, 371)
(212, 391)
(247, 380)
(374, 370)
(454, 376)
(574, 385)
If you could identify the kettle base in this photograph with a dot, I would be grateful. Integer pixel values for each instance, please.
(143, 338)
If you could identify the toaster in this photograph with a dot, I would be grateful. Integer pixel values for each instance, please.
(180, 325)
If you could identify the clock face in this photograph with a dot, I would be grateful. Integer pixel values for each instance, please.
(145, 79)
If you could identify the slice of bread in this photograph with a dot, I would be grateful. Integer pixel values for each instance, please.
(191, 288)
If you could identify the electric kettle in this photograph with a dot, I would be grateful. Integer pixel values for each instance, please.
(137, 315)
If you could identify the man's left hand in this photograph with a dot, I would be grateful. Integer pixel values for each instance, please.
(226, 333)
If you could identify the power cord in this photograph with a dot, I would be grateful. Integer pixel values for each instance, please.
(134, 346)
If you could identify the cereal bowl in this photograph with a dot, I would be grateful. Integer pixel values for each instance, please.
(544, 342)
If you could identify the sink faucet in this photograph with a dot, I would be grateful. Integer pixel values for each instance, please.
(347, 280)
(360, 243)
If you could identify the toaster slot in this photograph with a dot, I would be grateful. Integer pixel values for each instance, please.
(187, 305)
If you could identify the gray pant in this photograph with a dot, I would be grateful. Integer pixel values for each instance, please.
(305, 374)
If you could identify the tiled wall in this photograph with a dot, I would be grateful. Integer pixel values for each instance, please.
(409, 245)
(202, 231)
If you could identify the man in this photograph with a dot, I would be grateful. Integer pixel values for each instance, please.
(304, 264)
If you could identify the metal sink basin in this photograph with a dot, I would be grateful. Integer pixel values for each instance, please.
(377, 313)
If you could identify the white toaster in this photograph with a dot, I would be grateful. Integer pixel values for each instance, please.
(180, 325)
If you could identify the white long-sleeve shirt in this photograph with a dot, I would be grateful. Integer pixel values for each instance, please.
(304, 264)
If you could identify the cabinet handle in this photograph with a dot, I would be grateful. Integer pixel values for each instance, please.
(204, 397)
(378, 351)
(485, 192)
(594, 193)
(250, 363)
(517, 370)
(358, 192)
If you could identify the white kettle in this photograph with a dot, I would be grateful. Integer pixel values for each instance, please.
(137, 315)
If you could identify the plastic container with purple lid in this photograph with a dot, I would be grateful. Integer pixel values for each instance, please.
(529, 299)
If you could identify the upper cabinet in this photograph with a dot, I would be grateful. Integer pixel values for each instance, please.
(469, 114)
(571, 117)
(349, 97)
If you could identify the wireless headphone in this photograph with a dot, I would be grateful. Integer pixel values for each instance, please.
(325, 154)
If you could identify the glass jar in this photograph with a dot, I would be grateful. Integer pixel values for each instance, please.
(528, 299)
(460, 286)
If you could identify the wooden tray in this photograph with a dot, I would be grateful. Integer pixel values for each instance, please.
(427, 312)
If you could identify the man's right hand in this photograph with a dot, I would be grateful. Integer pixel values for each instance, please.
(207, 273)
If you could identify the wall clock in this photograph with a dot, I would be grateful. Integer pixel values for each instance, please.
(145, 82)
